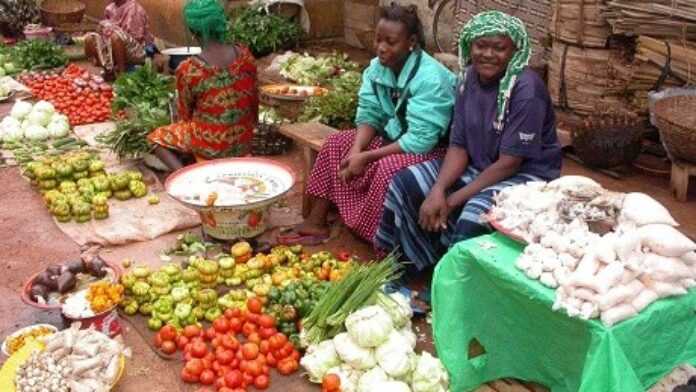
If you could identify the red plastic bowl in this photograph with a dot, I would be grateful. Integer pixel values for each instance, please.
(26, 289)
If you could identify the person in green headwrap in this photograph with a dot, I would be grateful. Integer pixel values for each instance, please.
(503, 133)
(217, 99)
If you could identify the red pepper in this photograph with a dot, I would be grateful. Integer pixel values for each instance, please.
(343, 255)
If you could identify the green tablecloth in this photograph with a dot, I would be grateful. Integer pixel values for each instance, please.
(479, 294)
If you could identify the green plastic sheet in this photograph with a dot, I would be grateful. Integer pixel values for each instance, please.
(479, 294)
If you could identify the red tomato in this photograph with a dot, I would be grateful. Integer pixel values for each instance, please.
(210, 333)
(254, 337)
(216, 366)
(254, 305)
(168, 347)
(261, 382)
(223, 356)
(244, 366)
(248, 379)
(266, 333)
(295, 355)
(229, 342)
(221, 325)
(158, 340)
(194, 366)
(207, 377)
(233, 379)
(199, 349)
(287, 366)
(235, 324)
(225, 389)
(188, 356)
(188, 377)
(168, 332)
(264, 347)
(276, 342)
(287, 349)
(229, 313)
(331, 382)
(207, 363)
(266, 321)
(248, 328)
(254, 368)
(181, 342)
(220, 384)
(215, 342)
(250, 351)
(271, 360)
(191, 331)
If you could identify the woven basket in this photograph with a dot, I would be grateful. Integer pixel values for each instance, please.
(57, 12)
(676, 119)
(605, 147)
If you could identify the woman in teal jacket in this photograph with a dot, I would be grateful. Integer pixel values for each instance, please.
(404, 111)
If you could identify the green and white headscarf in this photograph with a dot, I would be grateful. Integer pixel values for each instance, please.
(497, 23)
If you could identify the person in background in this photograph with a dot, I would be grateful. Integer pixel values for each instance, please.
(217, 97)
(503, 134)
(123, 39)
(404, 110)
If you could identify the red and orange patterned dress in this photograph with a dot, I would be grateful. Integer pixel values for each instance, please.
(217, 108)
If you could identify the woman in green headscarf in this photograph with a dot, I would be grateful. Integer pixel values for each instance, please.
(503, 134)
(217, 102)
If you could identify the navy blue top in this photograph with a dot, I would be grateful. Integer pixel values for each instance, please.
(529, 131)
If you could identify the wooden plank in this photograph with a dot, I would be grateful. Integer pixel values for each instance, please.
(312, 135)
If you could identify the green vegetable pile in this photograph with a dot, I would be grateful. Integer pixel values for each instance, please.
(291, 303)
(7, 65)
(26, 151)
(141, 104)
(309, 70)
(262, 32)
(38, 54)
(337, 108)
(76, 186)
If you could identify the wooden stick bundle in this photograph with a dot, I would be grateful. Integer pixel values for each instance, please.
(580, 22)
(657, 18)
(682, 56)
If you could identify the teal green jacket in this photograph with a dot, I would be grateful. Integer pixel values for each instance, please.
(431, 95)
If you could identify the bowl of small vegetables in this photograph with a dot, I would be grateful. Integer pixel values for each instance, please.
(20, 337)
(233, 196)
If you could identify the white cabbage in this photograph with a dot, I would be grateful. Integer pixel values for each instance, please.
(370, 326)
(318, 359)
(392, 386)
(429, 375)
(20, 110)
(35, 132)
(39, 117)
(371, 377)
(395, 356)
(349, 377)
(11, 129)
(58, 129)
(352, 354)
(44, 106)
(408, 336)
(397, 306)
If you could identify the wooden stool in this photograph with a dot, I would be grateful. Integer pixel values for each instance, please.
(310, 137)
(681, 171)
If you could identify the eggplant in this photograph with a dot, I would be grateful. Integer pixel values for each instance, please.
(96, 267)
(54, 269)
(66, 282)
(39, 291)
(76, 266)
(46, 279)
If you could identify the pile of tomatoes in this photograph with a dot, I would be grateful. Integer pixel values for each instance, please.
(82, 97)
(235, 353)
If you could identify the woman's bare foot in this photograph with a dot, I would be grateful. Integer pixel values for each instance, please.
(310, 228)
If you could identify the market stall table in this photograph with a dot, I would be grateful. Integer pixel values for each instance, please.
(479, 294)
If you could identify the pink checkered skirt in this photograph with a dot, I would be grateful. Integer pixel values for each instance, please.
(360, 201)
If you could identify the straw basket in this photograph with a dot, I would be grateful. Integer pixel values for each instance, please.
(676, 119)
(606, 142)
(57, 12)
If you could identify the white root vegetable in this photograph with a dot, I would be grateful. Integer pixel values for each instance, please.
(666, 269)
(645, 298)
(665, 240)
(619, 295)
(644, 210)
(689, 258)
(548, 280)
(81, 366)
(617, 314)
(609, 276)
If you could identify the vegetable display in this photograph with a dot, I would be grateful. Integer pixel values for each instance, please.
(263, 33)
(346, 296)
(18, 340)
(74, 92)
(73, 360)
(337, 108)
(7, 65)
(76, 186)
(103, 296)
(140, 105)
(48, 286)
(375, 354)
(308, 70)
(608, 255)
(238, 351)
(38, 54)
(290, 304)
(33, 122)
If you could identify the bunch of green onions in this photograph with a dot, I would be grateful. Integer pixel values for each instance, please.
(353, 292)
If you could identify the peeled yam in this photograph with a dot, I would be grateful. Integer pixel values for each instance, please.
(609, 276)
(617, 314)
(689, 258)
(666, 269)
(645, 298)
(626, 244)
(665, 240)
(619, 295)
(644, 210)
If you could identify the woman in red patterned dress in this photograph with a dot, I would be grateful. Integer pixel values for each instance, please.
(217, 101)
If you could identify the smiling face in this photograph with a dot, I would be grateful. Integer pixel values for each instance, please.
(491, 55)
(392, 43)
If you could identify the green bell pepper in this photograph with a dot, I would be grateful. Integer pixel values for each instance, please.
(182, 310)
(163, 316)
(145, 309)
(164, 304)
(141, 271)
(131, 309)
(154, 324)
(189, 275)
(212, 314)
(207, 296)
(159, 278)
(208, 267)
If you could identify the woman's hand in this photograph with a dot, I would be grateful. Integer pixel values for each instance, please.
(434, 211)
(353, 166)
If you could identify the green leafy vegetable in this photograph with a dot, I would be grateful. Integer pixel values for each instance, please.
(129, 139)
(263, 33)
(309, 70)
(143, 85)
(38, 54)
(337, 108)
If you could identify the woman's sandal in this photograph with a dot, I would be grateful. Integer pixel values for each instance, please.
(293, 238)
